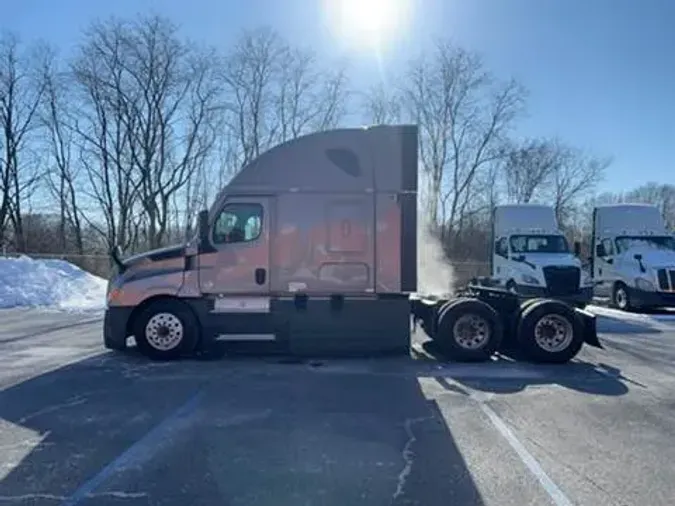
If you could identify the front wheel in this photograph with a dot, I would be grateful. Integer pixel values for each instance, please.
(620, 297)
(166, 330)
(549, 332)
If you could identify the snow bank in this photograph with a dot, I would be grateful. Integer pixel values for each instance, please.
(54, 284)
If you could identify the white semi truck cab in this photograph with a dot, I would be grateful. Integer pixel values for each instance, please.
(633, 260)
(531, 256)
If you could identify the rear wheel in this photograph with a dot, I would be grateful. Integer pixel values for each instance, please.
(468, 330)
(166, 330)
(549, 332)
(515, 319)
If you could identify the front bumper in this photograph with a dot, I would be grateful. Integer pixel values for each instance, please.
(115, 327)
(641, 298)
(583, 296)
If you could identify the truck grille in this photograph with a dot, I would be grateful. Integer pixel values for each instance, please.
(562, 280)
(666, 279)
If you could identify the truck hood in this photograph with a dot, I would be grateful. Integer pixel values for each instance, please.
(156, 255)
(651, 257)
(544, 259)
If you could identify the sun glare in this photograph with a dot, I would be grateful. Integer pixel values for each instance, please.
(372, 23)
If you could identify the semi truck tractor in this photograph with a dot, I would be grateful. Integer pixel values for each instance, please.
(311, 250)
(531, 257)
(633, 257)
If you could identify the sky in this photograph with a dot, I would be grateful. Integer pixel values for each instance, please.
(600, 73)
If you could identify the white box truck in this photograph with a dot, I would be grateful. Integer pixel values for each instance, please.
(633, 257)
(531, 257)
(312, 249)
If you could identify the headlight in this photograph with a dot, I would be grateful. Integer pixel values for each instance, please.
(644, 284)
(530, 280)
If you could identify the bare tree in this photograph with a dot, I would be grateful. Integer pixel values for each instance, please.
(172, 128)
(576, 176)
(63, 173)
(463, 116)
(659, 195)
(249, 74)
(21, 90)
(331, 98)
(103, 133)
(150, 102)
(277, 93)
(528, 167)
(381, 106)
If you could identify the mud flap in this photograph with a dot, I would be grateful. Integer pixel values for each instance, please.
(588, 323)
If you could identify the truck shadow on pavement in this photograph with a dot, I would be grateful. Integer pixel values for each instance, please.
(510, 373)
(117, 427)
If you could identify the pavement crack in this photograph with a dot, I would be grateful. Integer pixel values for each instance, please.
(74, 401)
(407, 454)
(117, 494)
(31, 497)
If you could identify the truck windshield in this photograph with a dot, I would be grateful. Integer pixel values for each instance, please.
(539, 244)
(625, 243)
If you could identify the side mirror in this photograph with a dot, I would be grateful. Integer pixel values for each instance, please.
(637, 257)
(600, 251)
(577, 248)
(203, 226)
(518, 258)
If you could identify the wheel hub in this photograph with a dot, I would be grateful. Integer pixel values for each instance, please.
(621, 298)
(164, 331)
(471, 331)
(553, 333)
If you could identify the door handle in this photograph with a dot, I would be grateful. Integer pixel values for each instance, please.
(260, 276)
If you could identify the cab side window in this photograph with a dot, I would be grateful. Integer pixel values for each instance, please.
(501, 247)
(237, 223)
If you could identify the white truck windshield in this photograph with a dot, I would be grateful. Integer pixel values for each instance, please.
(539, 244)
(626, 243)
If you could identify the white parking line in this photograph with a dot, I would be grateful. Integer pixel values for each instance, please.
(557, 495)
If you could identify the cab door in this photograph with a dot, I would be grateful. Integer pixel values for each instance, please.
(604, 273)
(234, 269)
(238, 258)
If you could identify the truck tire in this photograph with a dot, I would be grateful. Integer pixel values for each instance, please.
(468, 330)
(515, 319)
(549, 332)
(620, 297)
(166, 330)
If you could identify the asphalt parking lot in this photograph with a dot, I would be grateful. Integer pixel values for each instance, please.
(81, 425)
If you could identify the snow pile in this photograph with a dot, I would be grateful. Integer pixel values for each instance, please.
(54, 284)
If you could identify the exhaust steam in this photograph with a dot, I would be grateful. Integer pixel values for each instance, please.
(435, 275)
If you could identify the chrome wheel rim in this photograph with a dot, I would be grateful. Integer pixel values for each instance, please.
(471, 331)
(621, 298)
(553, 333)
(164, 331)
